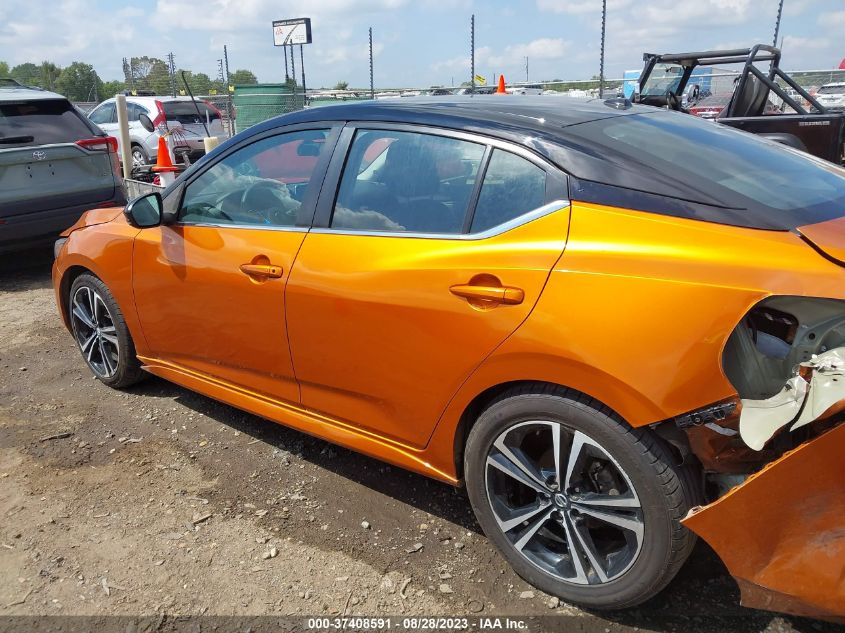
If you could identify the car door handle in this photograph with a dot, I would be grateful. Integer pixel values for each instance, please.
(496, 294)
(261, 270)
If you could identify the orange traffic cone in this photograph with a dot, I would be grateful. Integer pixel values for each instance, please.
(501, 89)
(163, 161)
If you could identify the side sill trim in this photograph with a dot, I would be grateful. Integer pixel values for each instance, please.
(299, 419)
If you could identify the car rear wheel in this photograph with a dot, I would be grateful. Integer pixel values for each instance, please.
(101, 333)
(580, 504)
(139, 156)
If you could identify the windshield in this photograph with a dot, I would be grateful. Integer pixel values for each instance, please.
(663, 78)
(731, 176)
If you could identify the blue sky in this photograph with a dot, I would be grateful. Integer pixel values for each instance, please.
(417, 42)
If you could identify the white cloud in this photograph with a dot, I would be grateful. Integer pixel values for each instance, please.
(833, 19)
(581, 7)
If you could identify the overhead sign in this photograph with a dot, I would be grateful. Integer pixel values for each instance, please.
(296, 31)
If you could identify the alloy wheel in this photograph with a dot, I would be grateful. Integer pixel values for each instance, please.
(94, 331)
(563, 502)
(138, 158)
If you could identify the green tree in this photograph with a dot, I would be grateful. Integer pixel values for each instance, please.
(149, 73)
(4, 70)
(80, 82)
(49, 75)
(242, 77)
(341, 85)
(200, 84)
(111, 88)
(27, 74)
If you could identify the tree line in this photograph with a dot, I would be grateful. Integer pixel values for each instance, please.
(80, 82)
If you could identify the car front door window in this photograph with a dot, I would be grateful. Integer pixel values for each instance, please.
(262, 184)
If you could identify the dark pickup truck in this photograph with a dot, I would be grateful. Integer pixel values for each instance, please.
(812, 128)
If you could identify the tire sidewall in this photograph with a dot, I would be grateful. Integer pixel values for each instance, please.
(648, 570)
(126, 348)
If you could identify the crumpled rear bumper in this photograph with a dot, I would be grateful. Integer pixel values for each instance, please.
(782, 532)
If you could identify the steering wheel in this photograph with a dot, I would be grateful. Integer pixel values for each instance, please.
(261, 208)
(209, 210)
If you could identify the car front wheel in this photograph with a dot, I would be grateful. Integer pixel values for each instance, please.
(580, 504)
(101, 333)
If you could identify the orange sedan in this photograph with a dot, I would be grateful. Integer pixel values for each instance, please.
(598, 317)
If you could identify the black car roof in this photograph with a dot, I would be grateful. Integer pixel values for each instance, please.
(498, 115)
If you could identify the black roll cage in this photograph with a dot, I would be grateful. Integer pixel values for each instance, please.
(746, 56)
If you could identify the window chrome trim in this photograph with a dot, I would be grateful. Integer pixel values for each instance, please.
(262, 227)
(525, 218)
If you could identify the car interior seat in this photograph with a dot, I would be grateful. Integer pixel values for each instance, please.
(410, 174)
(752, 99)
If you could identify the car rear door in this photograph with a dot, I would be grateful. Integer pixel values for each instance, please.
(415, 272)
(50, 158)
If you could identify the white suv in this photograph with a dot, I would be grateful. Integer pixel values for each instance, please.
(832, 96)
(167, 112)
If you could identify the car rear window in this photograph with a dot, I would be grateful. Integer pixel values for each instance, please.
(832, 90)
(185, 112)
(711, 171)
(40, 122)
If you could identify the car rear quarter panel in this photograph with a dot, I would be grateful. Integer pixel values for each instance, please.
(106, 251)
(637, 312)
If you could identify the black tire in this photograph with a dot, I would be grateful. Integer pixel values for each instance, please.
(663, 491)
(103, 339)
(139, 156)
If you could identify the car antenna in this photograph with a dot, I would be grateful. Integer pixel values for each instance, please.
(194, 101)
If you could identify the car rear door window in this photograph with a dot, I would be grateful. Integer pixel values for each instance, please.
(406, 182)
(40, 122)
(261, 184)
(103, 114)
(512, 186)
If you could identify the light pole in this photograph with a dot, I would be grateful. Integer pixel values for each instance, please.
(601, 59)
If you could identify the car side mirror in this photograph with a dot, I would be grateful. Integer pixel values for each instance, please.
(146, 123)
(144, 212)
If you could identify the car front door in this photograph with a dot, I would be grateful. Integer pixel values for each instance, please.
(209, 288)
(433, 250)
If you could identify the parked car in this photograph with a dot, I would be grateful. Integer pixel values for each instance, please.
(832, 96)
(54, 165)
(478, 90)
(167, 112)
(526, 89)
(710, 107)
(597, 316)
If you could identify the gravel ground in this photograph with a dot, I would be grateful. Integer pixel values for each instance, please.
(158, 501)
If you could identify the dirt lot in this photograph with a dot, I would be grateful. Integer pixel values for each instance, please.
(158, 501)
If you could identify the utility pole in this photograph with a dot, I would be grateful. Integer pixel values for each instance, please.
(302, 68)
(601, 60)
(171, 68)
(292, 70)
(226, 66)
(372, 86)
(526, 69)
(472, 51)
(777, 23)
(229, 108)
